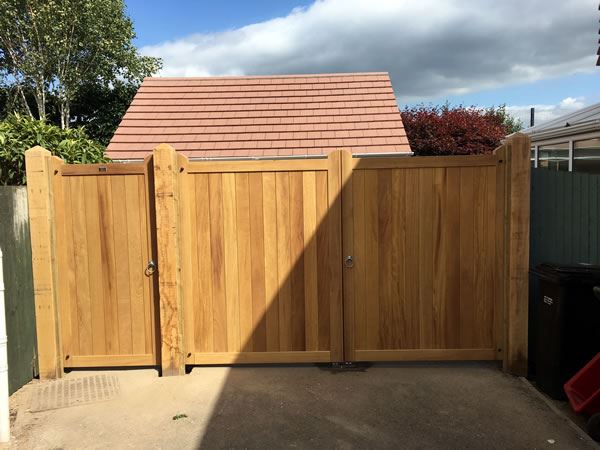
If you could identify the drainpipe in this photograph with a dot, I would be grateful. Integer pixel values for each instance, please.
(4, 414)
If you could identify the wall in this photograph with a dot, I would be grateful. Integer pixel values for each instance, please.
(20, 311)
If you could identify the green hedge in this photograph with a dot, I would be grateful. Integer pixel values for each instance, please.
(19, 133)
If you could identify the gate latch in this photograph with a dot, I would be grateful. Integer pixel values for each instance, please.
(150, 268)
(349, 261)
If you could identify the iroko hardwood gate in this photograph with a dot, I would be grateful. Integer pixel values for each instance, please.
(426, 236)
(310, 260)
(261, 250)
(102, 227)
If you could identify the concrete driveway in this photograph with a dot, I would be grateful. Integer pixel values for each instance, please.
(461, 405)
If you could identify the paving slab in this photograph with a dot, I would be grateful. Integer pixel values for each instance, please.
(424, 405)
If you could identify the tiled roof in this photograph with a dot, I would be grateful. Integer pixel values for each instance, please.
(262, 116)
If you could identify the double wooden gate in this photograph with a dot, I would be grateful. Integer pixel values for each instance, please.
(315, 260)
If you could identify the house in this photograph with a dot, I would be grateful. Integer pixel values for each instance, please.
(570, 142)
(263, 117)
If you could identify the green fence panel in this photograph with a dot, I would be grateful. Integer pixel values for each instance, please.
(18, 282)
(564, 217)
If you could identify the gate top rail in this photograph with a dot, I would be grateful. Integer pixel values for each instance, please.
(102, 169)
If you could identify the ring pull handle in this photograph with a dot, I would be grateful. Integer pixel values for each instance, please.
(349, 261)
(150, 268)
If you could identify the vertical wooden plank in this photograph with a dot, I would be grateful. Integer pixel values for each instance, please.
(107, 251)
(412, 272)
(348, 249)
(219, 306)
(359, 295)
(398, 269)
(440, 298)
(271, 270)
(451, 255)
(426, 267)
(257, 252)
(311, 290)
(97, 295)
(121, 239)
(500, 239)
(323, 256)
(519, 169)
(150, 281)
(189, 248)
(169, 259)
(244, 260)
(489, 226)
(483, 255)
(297, 260)
(387, 323)
(82, 299)
(334, 186)
(282, 188)
(66, 264)
(467, 266)
(64, 270)
(40, 170)
(234, 343)
(146, 194)
(203, 311)
(136, 264)
(372, 259)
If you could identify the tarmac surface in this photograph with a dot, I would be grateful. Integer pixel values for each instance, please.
(408, 405)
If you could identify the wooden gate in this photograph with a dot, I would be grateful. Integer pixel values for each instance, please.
(426, 236)
(261, 250)
(102, 228)
(304, 260)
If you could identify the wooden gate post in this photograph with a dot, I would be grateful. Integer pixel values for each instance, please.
(168, 230)
(518, 173)
(40, 164)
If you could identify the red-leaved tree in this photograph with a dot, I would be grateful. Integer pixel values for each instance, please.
(456, 130)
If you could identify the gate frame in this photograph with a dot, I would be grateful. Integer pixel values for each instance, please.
(513, 165)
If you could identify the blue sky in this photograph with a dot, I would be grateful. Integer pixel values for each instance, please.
(157, 21)
(479, 52)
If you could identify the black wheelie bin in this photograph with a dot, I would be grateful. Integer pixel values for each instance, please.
(567, 331)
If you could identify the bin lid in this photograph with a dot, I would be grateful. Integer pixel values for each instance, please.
(567, 272)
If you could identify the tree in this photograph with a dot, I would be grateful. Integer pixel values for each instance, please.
(101, 108)
(458, 130)
(511, 123)
(19, 133)
(57, 48)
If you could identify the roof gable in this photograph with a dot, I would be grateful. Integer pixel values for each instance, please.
(270, 116)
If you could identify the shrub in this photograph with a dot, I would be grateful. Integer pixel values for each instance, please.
(459, 130)
(19, 133)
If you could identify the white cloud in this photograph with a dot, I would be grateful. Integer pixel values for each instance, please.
(544, 113)
(431, 48)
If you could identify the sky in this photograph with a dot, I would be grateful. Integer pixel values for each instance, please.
(520, 53)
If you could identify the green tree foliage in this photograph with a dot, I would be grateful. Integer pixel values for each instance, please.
(511, 123)
(456, 130)
(19, 133)
(100, 109)
(59, 48)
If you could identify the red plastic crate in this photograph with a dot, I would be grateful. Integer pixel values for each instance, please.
(583, 390)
